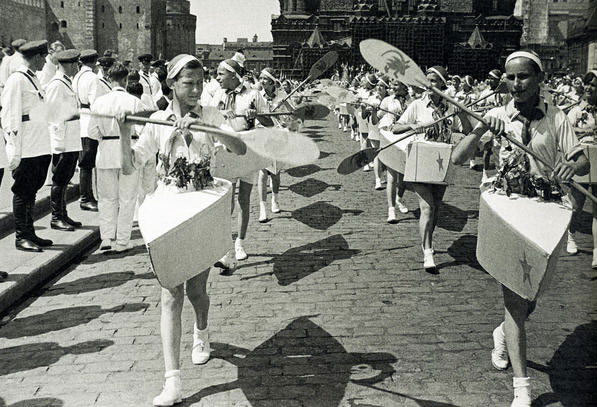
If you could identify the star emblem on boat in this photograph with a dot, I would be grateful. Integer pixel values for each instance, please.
(526, 269)
(440, 162)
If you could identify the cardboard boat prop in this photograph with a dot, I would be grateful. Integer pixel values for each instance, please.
(429, 162)
(185, 232)
(394, 157)
(520, 239)
(590, 150)
(230, 166)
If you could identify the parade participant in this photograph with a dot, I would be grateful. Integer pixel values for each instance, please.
(454, 86)
(117, 192)
(270, 93)
(154, 80)
(185, 77)
(234, 98)
(583, 119)
(4, 65)
(466, 96)
(419, 113)
(395, 187)
(3, 165)
(51, 66)
(373, 140)
(16, 60)
(210, 87)
(88, 87)
(545, 130)
(165, 91)
(365, 91)
(64, 136)
(497, 99)
(145, 60)
(147, 100)
(104, 63)
(28, 142)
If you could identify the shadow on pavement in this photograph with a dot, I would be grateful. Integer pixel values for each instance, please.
(321, 215)
(62, 318)
(41, 402)
(571, 370)
(453, 218)
(583, 223)
(304, 170)
(464, 251)
(97, 282)
(302, 363)
(99, 257)
(299, 262)
(323, 154)
(311, 187)
(31, 356)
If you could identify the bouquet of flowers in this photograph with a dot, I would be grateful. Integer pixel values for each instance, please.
(184, 172)
(514, 177)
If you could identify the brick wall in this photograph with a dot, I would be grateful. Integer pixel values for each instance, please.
(456, 6)
(22, 19)
(66, 21)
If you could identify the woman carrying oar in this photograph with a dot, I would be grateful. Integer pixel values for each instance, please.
(373, 103)
(421, 111)
(185, 78)
(547, 132)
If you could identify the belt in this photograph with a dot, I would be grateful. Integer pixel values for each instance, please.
(25, 118)
(85, 105)
(72, 119)
(118, 138)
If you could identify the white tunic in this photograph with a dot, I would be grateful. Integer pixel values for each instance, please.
(23, 116)
(243, 99)
(88, 88)
(421, 111)
(64, 135)
(3, 157)
(48, 71)
(107, 131)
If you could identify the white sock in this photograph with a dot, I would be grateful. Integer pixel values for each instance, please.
(502, 327)
(170, 374)
(522, 386)
(238, 242)
(275, 197)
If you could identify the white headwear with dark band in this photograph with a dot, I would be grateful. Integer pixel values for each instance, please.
(525, 54)
(178, 63)
(232, 66)
(265, 72)
(437, 70)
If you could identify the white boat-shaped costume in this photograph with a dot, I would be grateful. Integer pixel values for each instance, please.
(520, 239)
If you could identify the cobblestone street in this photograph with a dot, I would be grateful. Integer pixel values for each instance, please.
(332, 308)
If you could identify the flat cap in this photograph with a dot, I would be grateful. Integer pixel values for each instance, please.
(67, 56)
(145, 57)
(32, 48)
(18, 43)
(106, 61)
(88, 54)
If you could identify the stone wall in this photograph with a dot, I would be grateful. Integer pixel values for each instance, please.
(67, 21)
(22, 19)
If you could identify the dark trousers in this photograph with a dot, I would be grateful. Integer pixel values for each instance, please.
(87, 164)
(63, 169)
(28, 177)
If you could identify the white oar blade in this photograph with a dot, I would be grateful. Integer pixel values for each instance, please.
(284, 146)
(211, 116)
(393, 62)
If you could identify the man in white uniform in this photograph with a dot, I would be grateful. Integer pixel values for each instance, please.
(64, 136)
(51, 65)
(116, 191)
(28, 142)
(144, 73)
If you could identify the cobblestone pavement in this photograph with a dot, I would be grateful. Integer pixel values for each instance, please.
(332, 308)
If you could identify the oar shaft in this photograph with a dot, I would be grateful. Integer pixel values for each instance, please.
(510, 139)
(300, 85)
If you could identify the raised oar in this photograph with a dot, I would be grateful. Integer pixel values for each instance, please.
(361, 158)
(318, 69)
(305, 111)
(396, 63)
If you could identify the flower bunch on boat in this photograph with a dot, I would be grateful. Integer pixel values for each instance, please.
(183, 171)
(514, 177)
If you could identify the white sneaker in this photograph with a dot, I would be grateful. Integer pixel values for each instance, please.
(225, 263)
(472, 164)
(392, 215)
(172, 392)
(571, 247)
(275, 206)
(121, 248)
(340, 125)
(428, 262)
(499, 354)
(345, 129)
(594, 262)
(485, 177)
(239, 250)
(401, 207)
(378, 186)
(366, 168)
(201, 349)
(106, 244)
(262, 212)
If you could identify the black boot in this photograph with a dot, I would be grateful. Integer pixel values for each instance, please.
(88, 202)
(23, 242)
(58, 221)
(31, 230)
(65, 216)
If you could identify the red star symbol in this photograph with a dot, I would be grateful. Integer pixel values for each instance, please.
(440, 161)
(526, 270)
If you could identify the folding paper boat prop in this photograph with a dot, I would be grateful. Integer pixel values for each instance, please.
(590, 150)
(230, 166)
(185, 232)
(520, 239)
(394, 157)
(429, 162)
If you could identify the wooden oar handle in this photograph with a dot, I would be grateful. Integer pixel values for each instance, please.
(300, 85)
(510, 139)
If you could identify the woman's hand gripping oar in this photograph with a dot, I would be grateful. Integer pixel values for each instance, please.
(397, 64)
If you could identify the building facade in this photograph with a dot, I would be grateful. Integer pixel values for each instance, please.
(258, 54)
(127, 27)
